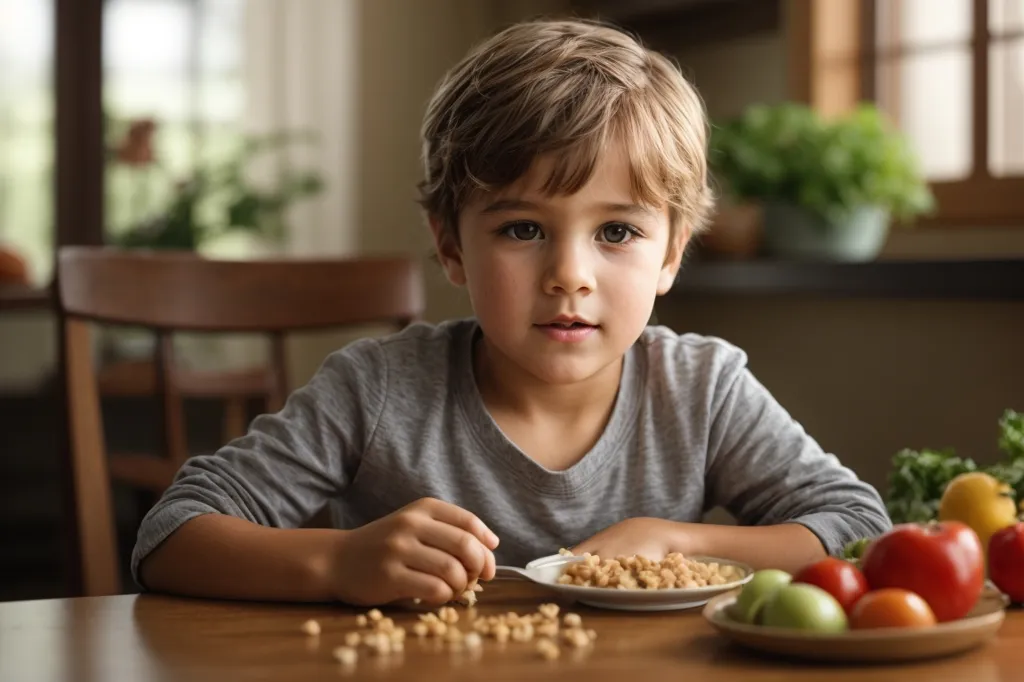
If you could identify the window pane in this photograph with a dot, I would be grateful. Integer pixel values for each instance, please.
(178, 65)
(919, 23)
(1005, 16)
(222, 96)
(26, 132)
(1006, 107)
(929, 95)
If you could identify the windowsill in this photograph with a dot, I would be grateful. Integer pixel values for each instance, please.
(24, 297)
(984, 279)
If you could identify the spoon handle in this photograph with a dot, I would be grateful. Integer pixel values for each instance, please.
(511, 573)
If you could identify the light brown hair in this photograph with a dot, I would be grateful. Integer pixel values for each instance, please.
(566, 88)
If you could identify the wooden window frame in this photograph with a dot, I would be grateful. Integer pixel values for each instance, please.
(78, 140)
(831, 46)
(79, 144)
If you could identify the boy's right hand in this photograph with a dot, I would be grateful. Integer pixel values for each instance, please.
(429, 550)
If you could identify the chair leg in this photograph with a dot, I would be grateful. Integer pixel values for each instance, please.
(90, 500)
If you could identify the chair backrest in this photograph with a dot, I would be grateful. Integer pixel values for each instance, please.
(185, 292)
(171, 292)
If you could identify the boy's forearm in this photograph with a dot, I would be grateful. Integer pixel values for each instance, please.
(787, 546)
(226, 557)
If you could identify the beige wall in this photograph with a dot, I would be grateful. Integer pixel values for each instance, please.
(868, 377)
(732, 75)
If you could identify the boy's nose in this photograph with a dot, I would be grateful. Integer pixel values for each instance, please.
(569, 270)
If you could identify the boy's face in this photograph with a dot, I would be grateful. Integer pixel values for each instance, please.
(563, 285)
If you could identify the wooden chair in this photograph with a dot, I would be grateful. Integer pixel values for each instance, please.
(169, 292)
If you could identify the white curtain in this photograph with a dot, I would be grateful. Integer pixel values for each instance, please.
(302, 73)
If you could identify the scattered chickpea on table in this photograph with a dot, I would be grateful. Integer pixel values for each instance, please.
(379, 635)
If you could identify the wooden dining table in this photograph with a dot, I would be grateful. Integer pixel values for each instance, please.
(156, 637)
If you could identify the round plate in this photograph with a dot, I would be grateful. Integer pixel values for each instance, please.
(641, 600)
(882, 645)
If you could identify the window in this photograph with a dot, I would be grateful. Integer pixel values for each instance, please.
(26, 133)
(1006, 88)
(949, 73)
(178, 64)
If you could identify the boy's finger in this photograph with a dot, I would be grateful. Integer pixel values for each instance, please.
(457, 543)
(429, 589)
(440, 564)
(461, 518)
(489, 564)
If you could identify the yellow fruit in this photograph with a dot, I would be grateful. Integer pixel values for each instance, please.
(981, 501)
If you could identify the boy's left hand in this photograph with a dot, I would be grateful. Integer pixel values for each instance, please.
(647, 537)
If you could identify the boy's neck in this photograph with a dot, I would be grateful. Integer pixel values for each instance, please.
(505, 385)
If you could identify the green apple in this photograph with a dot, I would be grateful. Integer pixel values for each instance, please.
(804, 607)
(762, 585)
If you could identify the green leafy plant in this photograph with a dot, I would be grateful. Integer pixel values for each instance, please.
(790, 154)
(215, 199)
(919, 477)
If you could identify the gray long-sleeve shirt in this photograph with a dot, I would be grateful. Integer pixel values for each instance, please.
(387, 421)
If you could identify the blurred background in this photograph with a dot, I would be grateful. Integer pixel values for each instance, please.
(245, 128)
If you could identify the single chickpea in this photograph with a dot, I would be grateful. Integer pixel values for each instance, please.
(346, 655)
(548, 649)
(548, 629)
(549, 610)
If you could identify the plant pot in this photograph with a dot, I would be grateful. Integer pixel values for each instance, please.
(734, 233)
(794, 232)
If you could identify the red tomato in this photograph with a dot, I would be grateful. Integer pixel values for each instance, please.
(943, 562)
(1006, 561)
(841, 579)
(891, 607)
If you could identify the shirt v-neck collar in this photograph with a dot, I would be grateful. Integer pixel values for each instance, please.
(619, 430)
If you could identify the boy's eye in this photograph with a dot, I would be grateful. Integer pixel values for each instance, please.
(617, 233)
(523, 232)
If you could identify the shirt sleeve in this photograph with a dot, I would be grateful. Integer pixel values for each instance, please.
(765, 469)
(290, 463)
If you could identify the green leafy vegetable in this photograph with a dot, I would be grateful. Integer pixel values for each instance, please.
(1011, 440)
(919, 477)
(855, 550)
(917, 481)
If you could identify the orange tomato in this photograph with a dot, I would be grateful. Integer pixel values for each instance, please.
(891, 607)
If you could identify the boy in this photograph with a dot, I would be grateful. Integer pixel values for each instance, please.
(565, 173)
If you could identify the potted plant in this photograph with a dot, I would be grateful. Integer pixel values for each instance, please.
(829, 188)
(153, 209)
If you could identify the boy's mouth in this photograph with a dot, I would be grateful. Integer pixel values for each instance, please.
(567, 329)
(568, 325)
(567, 322)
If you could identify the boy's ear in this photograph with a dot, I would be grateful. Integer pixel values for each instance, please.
(673, 260)
(448, 252)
